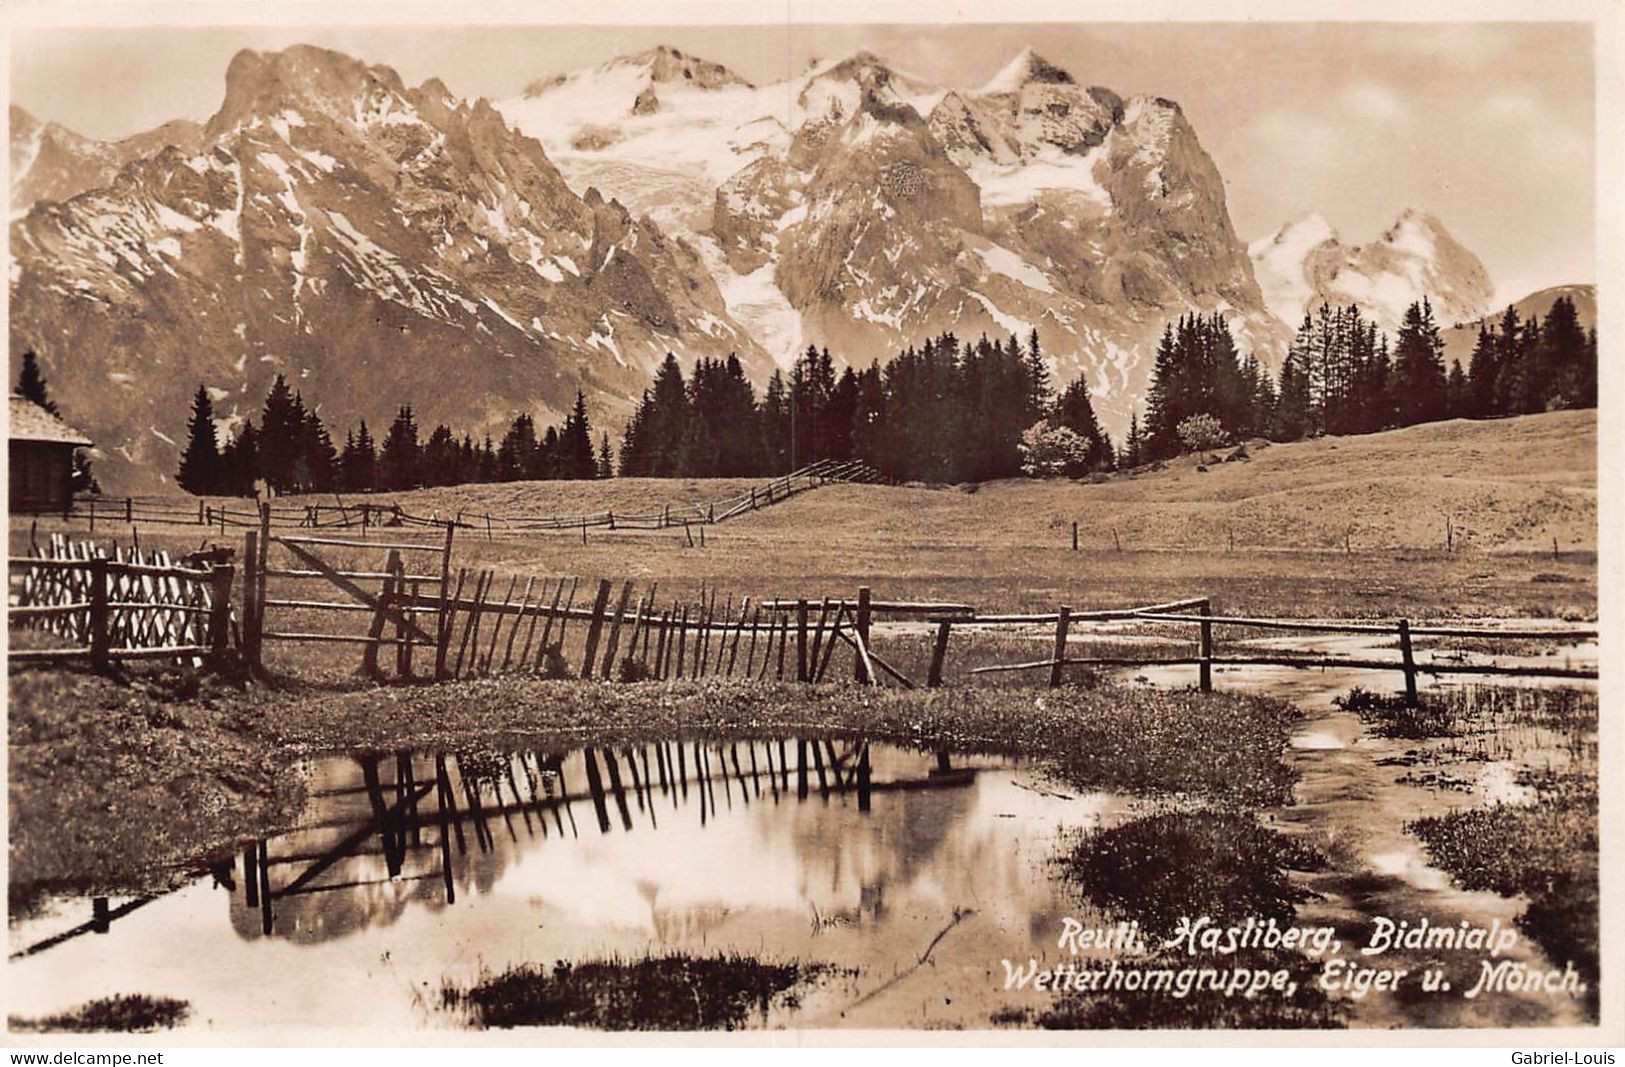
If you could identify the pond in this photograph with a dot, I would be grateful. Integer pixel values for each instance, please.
(914, 873)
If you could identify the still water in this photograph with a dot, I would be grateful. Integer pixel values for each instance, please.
(413, 869)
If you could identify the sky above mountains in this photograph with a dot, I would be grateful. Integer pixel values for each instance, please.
(1489, 126)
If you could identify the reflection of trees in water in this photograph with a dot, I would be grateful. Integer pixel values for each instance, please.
(387, 833)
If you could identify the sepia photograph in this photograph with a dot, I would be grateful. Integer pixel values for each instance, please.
(831, 522)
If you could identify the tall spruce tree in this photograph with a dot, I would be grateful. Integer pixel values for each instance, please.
(398, 458)
(1074, 410)
(31, 383)
(578, 457)
(1420, 387)
(200, 472)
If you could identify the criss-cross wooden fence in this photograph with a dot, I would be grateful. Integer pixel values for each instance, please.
(106, 605)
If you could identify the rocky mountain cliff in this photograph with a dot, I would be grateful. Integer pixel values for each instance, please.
(860, 207)
(51, 162)
(380, 243)
(1305, 263)
(376, 243)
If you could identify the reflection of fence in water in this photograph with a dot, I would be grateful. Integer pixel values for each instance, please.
(469, 802)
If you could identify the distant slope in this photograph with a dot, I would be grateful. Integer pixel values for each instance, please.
(1459, 340)
(1506, 485)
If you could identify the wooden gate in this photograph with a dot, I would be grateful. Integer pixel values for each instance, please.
(396, 600)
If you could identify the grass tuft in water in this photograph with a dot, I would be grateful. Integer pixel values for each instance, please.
(1545, 851)
(673, 992)
(125, 1013)
(1392, 717)
(1161, 868)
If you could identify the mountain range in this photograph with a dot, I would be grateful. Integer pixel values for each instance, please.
(379, 243)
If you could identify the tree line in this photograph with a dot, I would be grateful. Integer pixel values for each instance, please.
(946, 411)
(1343, 376)
(291, 451)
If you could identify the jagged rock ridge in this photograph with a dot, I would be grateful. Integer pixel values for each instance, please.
(378, 244)
(1305, 263)
(864, 208)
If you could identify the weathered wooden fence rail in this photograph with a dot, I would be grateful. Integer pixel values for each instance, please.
(1206, 658)
(113, 605)
(366, 515)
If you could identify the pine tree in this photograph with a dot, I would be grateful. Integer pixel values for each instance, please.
(1134, 445)
(320, 458)
(440, 458)
(1571, 374)
(398, 459)
(776, 424)
(606, 462)
(358, 465)
(1040, 396)
(1457, 395)
(1482, 371)
(1418, 373)
(280, 422)
(1074, 410)
(199, 472)
(576, 442)
(1510, 365)
(240, 461)
(665, 424)
(1294, 407)
(31, 383)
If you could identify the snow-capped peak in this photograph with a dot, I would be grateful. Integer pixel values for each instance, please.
(1295, 238)
(1027, 67)
(1305, 263)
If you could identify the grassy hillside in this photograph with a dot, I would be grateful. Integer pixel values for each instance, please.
(1508, 487)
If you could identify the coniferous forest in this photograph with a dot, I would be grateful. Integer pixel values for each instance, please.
(290, 451)
(944, 412)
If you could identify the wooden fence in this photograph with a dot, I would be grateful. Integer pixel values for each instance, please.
(1198, 614)
(305, 560)
(366, 515)
(111, 605)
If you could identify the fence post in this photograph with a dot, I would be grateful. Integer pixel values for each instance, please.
(1074, 536)
(801, 640)
(608, 670)
(220, 613)
(403, 620)
(265, 552)
(859, 671)
(1410, 662)
(129, 508)
(369, 658)
(100, 636)
(1062, 622)
(596, 627)
(1207, 647)
(448, 623)
(938, 652)
(251, 614)
(442, 620)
